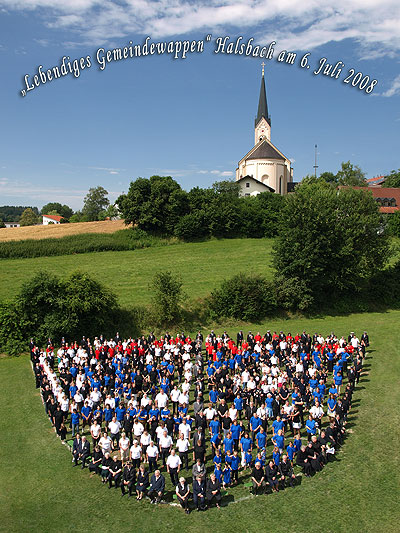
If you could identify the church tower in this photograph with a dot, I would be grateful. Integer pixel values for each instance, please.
(263, 120)
(264, 168)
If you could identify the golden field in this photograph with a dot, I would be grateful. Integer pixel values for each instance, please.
(60, 230)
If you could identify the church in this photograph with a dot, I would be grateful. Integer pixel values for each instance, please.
(264, 168)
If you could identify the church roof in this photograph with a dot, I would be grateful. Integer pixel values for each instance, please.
(262, 104)
(265, 151)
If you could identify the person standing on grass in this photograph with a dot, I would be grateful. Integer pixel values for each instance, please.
(75, 418)
(173, 467)
(142, 482)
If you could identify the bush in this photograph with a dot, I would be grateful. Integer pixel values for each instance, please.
(192, 226)
(293, 294)
(167, 297)
(48, 306)
(247, 297)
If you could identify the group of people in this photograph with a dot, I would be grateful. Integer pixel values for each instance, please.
(258, 406)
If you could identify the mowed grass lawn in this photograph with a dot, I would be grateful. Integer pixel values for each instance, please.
(203, 266)
(359, 492)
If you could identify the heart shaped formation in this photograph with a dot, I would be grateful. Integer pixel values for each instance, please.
(128, 406)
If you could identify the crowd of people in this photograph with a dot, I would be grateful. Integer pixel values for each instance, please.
(221, 410)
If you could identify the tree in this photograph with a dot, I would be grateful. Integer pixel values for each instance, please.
(167, 296)
(28, 218)
(330, 240)
(55, 208)
(154, 204)
(329, 177)
(393, 179)
(95, 202)
(2, 225)
(393, 223)
(350, 175)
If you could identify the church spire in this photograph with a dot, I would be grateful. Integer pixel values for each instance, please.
(262, 102)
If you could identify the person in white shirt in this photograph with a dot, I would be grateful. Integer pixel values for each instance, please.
(138, 428)
(152, 456)
(165, 446)
(210, 412)
(161, 400)
(145, 440)
(173, 466)
(184, 428)
(95, 431)
(135, 453)
(175, 399)
(233, 413)
(114, 426)
(106, 443)
(124, 448)
(317, 412)
(182, 445)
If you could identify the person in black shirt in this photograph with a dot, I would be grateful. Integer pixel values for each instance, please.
(183, 492)
(286, 472)
(258, 479)
(142, 482)
(303, 461)
(213, 490)
(128, 479)
(272, 473)
(115, 472)
(95, 463)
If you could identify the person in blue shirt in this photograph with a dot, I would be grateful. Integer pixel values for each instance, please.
(279, 440)
(75, 417)
(235, 462)
(86, 413)
(255, 425)
(269, 402)
(108, 414)
(297, 444)
(217, 459)
(311, 427)
(238, 403)
(261, 439)
(226, 475)
(120, 413)
(236, 430)
(248, 458)
(331, 406)
(213, 395)
(276, 455)
(246, 445)
(338, 379)
(72, 390)
(291, 452)
(278, 424)
(218, 472)
(228, 443)
(215, 425)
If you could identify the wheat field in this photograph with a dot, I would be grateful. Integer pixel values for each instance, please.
(60, 230)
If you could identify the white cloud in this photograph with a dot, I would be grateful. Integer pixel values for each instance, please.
(109, 170)
(295, 25)
(394, 88)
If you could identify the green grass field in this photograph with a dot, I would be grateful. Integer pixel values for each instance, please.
(202, 266)
(40, 491)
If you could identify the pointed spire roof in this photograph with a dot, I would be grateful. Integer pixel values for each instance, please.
(262, 103)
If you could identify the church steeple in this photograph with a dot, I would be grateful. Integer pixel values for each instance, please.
(262, 102)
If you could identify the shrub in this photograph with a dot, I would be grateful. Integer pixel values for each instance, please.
(244, 297)
(192, 226)
(167, 297)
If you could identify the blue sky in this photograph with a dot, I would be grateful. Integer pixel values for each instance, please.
(190, 118)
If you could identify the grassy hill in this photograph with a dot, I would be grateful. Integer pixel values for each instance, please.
(40, 491)
(202, 266)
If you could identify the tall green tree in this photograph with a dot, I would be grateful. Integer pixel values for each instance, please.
(393, 179)
(167, 296)
(95, 202)
(154, 204)
(330, 240)
(350, 175)
(55, 207)
(2, 225)
(29, 218)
